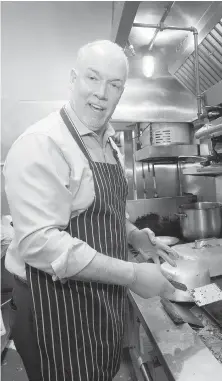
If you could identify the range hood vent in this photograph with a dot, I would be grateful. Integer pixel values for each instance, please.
(210, 62)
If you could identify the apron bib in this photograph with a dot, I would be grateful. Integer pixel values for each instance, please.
(80, 325)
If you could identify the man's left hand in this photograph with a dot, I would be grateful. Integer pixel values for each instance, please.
(150, 246)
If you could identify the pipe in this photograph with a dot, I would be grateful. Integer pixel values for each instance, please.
(195, 35)
(163, 18)
(162, 27)
(134, 166)
(208, 130)
(141, 364)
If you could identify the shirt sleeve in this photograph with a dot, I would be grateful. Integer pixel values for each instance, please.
(37, 188)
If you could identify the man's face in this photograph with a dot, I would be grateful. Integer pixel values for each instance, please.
(97, 87)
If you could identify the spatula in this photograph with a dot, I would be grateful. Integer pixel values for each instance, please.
(180, 314)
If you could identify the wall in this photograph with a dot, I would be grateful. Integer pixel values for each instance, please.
(39, 41)
(39, 45)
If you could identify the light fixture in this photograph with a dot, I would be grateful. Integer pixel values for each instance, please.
(148, 66)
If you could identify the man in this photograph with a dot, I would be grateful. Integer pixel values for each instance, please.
(67, 194)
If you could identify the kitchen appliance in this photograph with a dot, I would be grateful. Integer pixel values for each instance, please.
(165, 133)
(200, 220)
(192, 273)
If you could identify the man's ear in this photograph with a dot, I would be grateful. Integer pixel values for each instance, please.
(73, 76)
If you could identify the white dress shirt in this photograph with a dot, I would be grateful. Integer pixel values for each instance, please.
(47, 181)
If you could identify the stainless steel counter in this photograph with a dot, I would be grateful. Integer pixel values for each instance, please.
(181, 352)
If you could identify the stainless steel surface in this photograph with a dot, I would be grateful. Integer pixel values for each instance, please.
(167, 184)
(200, 220)
(181, 352)
(128, 156)
(162, 27)
(158, 99)
(166, 133)
(164, 207)
(208, 294)
(191, 273)
(163, 18)
(212, 170)
(150, 153)
(209, 130)
(212, 96)
(163, 97)
(210, 255)
(197, 72)
(210, 60)
(204, 187)
(134, 164)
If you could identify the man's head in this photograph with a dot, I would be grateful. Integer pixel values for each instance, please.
(98, 82)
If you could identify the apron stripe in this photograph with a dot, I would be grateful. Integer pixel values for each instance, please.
(61, 358)
(43, 325)
(51, 326)
(75, 331)
(37, 327)
(68, 339)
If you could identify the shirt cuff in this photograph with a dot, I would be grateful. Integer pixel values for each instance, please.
(73, 261)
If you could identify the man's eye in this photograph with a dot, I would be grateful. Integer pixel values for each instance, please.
(114, 85)
(92, 78)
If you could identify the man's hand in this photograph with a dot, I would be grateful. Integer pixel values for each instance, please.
(149, 281)
(149, 246)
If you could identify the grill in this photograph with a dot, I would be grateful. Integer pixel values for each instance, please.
(210, 62)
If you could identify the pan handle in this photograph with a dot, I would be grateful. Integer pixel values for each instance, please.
(183, 215)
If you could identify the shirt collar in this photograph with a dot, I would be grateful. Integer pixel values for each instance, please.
(82, 129)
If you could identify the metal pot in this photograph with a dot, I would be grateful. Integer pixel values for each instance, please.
(200, 220)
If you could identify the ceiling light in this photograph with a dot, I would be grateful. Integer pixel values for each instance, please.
(148, 66)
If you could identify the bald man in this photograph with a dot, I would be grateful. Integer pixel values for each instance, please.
(67, 194)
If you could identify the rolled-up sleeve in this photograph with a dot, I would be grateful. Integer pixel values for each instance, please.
(37, 188)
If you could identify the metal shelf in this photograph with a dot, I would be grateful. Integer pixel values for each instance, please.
(204, 171)
(162, 153)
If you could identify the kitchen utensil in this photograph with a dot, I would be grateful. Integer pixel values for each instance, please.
(188, 274)
(167, 240)
(200, 220)
(180, 314)
(208, 250)
(210, 299)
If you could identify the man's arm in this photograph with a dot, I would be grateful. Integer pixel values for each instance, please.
(36, 178)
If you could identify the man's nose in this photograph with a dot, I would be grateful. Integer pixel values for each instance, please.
(101, 91)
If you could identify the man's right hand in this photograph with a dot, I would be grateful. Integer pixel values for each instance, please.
(149, 281)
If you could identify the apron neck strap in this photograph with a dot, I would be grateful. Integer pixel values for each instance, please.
(74, 132)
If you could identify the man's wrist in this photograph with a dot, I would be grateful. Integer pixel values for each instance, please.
(132, 279)
(130, 235)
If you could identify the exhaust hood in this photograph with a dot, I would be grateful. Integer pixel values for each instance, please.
(210, 62)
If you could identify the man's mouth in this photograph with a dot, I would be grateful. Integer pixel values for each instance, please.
(96, 108)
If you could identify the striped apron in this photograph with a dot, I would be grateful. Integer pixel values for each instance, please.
(80, 325)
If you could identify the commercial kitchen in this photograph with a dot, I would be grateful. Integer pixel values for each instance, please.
(168, 126)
